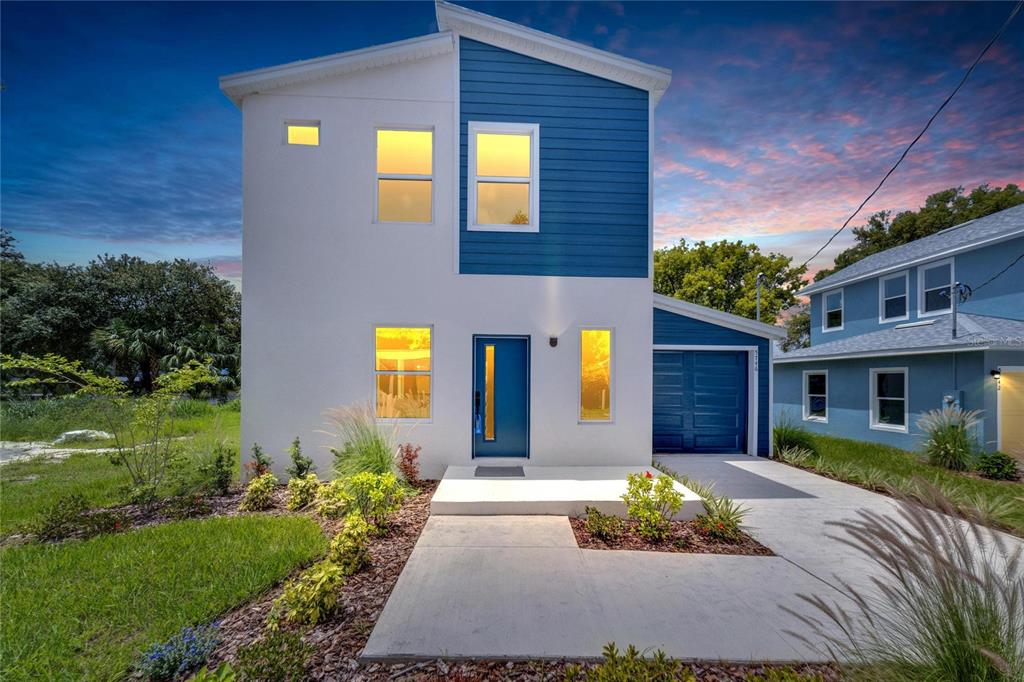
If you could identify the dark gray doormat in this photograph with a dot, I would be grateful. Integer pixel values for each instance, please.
(499, 472)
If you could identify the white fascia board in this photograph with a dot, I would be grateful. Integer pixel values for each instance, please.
(553, 49)
(237, 86)
(888, 353)
(722, 319)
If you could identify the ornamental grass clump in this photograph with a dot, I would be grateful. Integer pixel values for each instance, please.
(302, 491)
(364, 444)
(651, 502)
(788, 434)
(184, 652)
(946, 599)
(259, 494)
(950, 437)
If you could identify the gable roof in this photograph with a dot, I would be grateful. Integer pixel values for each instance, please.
(722, 319)
(991, 229)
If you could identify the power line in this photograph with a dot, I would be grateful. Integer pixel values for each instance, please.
(998, 274)
(906, 151)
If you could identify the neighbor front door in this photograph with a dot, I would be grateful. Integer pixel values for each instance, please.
(501, 396)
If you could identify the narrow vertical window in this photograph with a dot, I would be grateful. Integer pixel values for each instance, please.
(816, 396)
(832, 313)
(503, 177)
(403, 372)
(405, 166)
(889, 399)
(595, 375)
(304, 133)
(892, 297)
(489, 392)
(935, 282)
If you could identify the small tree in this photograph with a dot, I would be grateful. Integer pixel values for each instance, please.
(301, 465)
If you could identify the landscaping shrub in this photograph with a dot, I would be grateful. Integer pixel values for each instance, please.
(260, 462)
(350, 548)
(182, 653)
(784, 675)
(187, 506)
(796, 456)
(332, 500)
(62, 519)
(949, 437)
(217, 471)
(102, 522)
(301, 465)
(375, 496)
(603, 526)
(143, 495)
(788, 434)
(259, 494)
(302, 491)
(309, 598)
(222, 673)
(722, 518)
(279, 657)
(364, 444)
(651, 504)
(631, 666)
(998, 466)
(408, 463)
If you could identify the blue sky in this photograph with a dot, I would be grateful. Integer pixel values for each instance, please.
(780, 118)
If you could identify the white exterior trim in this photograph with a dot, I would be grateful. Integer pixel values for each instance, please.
(457, 158)
(873, 397)
(531, 129)
(717, 317)
(805, 411)
(920, 287)
(579, 375)
(999, 402)
(771, 401)
(825, 329)
(882, 319)
(889, 353)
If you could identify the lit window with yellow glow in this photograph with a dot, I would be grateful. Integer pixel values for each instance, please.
(304, 133)
(403, 372)
(503, 183)
(405, 167)
(595, 375)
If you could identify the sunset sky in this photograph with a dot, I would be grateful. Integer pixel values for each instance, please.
(780, 118)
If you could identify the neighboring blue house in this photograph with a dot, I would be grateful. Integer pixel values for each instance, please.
(886, 346)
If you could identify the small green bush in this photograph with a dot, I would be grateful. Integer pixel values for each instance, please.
(260, 462)
(631, 666)
(950, 437)
(332, 500)
(603, 526)
(62, 519)
(259, 494)
(187, 507)
(182, 653)
(311, 597)
(998, 466)
(350, 548)
(302, 491)
(784, 675)
(788, 434)
(651, 504)
(722, 518)
(279, 657)
(374, 496)
(301, 465)
(222, 673)
(217, 472)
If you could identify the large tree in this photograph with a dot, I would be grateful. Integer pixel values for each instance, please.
(723, 275)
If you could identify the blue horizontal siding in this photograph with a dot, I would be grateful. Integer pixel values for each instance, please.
(670, 328)
(593, 167)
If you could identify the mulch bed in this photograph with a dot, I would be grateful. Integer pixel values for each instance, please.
(684, 538)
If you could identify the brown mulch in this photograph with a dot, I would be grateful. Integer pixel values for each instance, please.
(684, 537)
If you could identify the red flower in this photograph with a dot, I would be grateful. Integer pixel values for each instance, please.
(648, 474)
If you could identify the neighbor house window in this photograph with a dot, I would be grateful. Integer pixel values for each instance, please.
(889, 399)
(595, 375)
(935, 282)
(892, 297)
(503, 187)
(405, 167)
(832, 311)
(305, 133)
(816, 396)
(403, 369)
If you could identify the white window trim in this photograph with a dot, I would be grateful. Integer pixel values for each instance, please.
(377, 176)
(531, 129)
(579, 376)
(824, 310)
(806, 402)
(882, 299)
(920, 286)
(873, 392)
(374, 373)
(288, 122)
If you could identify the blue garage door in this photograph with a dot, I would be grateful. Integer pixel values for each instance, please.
(700, 401)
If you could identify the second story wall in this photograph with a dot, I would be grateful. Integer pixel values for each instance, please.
(593, 170)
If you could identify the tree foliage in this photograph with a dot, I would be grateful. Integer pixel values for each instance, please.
(798, 329)
(723, 275)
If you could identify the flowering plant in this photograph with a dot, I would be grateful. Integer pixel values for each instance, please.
(183, 652)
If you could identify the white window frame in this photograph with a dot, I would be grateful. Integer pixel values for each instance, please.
(303, 123)
(873, 422)
(579, 375)
(824, 310)
(921, 269)
(882, 298)
(531, 129)
(377, 372)
(378, 176)
(808, 417)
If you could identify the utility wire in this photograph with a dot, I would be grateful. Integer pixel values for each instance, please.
(998, 274)
(906, 151)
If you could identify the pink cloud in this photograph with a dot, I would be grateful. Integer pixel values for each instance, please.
(718, 155)
(960, 146)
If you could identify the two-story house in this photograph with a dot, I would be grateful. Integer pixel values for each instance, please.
(457, 229)
(893, 336)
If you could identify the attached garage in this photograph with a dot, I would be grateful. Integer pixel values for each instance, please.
(712, 381)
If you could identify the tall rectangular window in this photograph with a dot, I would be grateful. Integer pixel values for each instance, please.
(832, 311)
(889, 399)
(892, 297)
(595, 375)
(405, 168)
(402, 368)
(304, 133)
(503, 177)
(816, 396)
(934, 284)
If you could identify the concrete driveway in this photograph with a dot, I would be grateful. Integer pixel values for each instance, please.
(519, 587)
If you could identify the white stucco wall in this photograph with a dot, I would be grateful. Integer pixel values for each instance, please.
(319, 275)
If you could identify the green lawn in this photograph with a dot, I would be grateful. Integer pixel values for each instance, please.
(84, 610)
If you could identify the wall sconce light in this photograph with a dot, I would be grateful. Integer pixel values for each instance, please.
(553, 341)
(995, 374)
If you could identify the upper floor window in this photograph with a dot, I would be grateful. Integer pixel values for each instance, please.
(305, 133)
(832, 311)
(816, 395)
(503, 177)
(892, 297)
(934, 283)
(402, 370)
(889, 399)
(595, 375)
(405, 168)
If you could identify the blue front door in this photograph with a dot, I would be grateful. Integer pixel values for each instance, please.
(501, 396)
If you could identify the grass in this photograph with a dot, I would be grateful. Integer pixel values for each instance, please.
(83, 610)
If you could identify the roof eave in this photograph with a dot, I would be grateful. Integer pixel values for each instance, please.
(699, 312)
(783, 360)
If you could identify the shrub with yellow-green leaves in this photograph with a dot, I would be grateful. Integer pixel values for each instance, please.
(350, 548)
(259, 494)
(309, 598)
(302, 491)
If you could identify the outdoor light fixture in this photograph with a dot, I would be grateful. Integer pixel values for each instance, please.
(553, 341)
(995, 374)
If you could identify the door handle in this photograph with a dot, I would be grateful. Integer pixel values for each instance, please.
(477, 424)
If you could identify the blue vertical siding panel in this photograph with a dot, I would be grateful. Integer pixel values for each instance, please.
(593, 167)
(670, 328)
